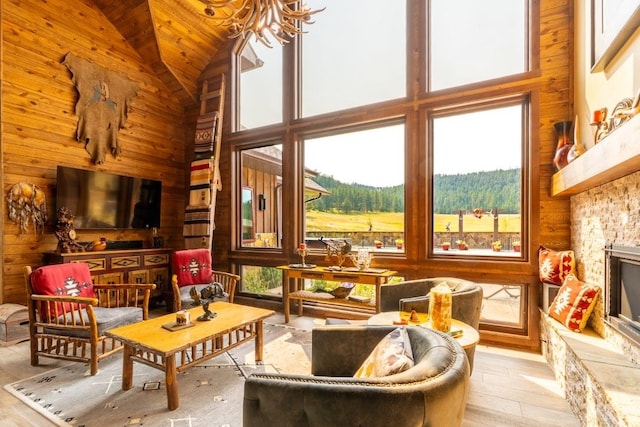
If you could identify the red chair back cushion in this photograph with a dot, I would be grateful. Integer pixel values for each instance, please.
(73, 279)
(192, 267)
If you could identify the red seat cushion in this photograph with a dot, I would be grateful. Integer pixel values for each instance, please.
(73, 279)
(192, 266)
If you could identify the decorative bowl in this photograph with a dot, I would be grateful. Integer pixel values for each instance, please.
(343, 291)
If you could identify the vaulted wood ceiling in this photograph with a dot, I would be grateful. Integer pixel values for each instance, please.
(174, 37)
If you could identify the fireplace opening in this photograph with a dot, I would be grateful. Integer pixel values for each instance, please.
(622, 290)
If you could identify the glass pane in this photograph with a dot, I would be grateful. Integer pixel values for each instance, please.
(247, 216)
(354, 189)
(261, 197)
(354, 54)
(260, 85)
(477, 169)
(261, 281)
(472, 41)
(503, 305)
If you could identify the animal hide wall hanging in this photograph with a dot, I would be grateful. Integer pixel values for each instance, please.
(102, 107)
(27, 204)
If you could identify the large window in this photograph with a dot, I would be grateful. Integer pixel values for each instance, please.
(477, 179)
(354, 54)
(355, 188)
(261, 197)
(470, 41)
(260, 85)
(361, 149)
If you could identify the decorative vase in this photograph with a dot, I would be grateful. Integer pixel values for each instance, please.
(577, 149)
(564, 145)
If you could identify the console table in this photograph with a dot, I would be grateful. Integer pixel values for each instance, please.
(294, 286)
(123, 266)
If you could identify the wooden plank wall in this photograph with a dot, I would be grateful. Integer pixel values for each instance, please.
(556, 105)
(38, 123)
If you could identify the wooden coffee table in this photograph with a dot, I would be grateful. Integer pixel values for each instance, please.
(173, 351)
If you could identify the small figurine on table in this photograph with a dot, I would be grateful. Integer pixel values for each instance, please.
(205, 297)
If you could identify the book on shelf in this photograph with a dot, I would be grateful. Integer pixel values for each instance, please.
(359, 298)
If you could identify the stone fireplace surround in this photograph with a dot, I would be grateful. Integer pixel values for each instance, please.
(599, 369)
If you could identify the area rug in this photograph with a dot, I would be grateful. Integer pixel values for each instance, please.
(210, 393)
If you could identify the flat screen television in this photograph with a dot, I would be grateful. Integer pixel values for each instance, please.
(101, 200)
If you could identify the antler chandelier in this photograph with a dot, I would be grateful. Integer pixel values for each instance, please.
(282, 19)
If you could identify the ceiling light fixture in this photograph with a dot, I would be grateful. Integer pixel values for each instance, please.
(282, 19)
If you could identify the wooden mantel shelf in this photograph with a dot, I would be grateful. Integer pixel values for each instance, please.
(616, 155)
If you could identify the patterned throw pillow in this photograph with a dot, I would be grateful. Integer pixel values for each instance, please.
(192, 267)
(391, 356)
(554, 266)
(72, 279)
(574, 303)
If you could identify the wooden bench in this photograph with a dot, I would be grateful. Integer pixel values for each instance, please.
(600, 382)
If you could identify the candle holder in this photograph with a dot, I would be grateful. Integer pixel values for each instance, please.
(303, 253)
(622, 112)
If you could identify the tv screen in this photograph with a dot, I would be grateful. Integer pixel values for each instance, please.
(101, 200)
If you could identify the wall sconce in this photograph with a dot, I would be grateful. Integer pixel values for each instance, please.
(262, 202)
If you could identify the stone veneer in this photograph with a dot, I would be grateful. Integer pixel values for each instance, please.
(599, 370)
(598, 380)
(607, 214)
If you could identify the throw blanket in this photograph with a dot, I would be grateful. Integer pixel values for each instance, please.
(197, 221)
(206, 133)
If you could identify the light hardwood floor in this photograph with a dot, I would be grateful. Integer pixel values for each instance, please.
(508, 387)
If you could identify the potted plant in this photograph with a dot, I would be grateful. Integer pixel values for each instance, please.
(516, 245)
(378, 244)
(462, 245)
(496, 246)
(446, 245)
(399, 243)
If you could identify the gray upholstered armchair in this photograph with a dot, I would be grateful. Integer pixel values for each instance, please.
(413, 295)
(432, 393)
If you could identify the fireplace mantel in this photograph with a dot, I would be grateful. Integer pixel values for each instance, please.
(616, 155)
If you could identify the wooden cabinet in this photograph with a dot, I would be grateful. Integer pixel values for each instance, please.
(124, 266)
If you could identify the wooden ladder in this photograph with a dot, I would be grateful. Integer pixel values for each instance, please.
(205, 181)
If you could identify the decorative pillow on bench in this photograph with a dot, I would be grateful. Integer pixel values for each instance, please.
(574, 303)
(391, 356)
(554, 266)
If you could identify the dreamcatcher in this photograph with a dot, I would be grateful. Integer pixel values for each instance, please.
(27, 204)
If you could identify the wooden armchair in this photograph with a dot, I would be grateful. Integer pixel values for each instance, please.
(192, 268)
(68, 314)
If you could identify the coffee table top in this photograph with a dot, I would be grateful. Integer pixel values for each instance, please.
(149, 334)
(469, 337)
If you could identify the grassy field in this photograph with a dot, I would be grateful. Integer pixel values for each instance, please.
(393, 222)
